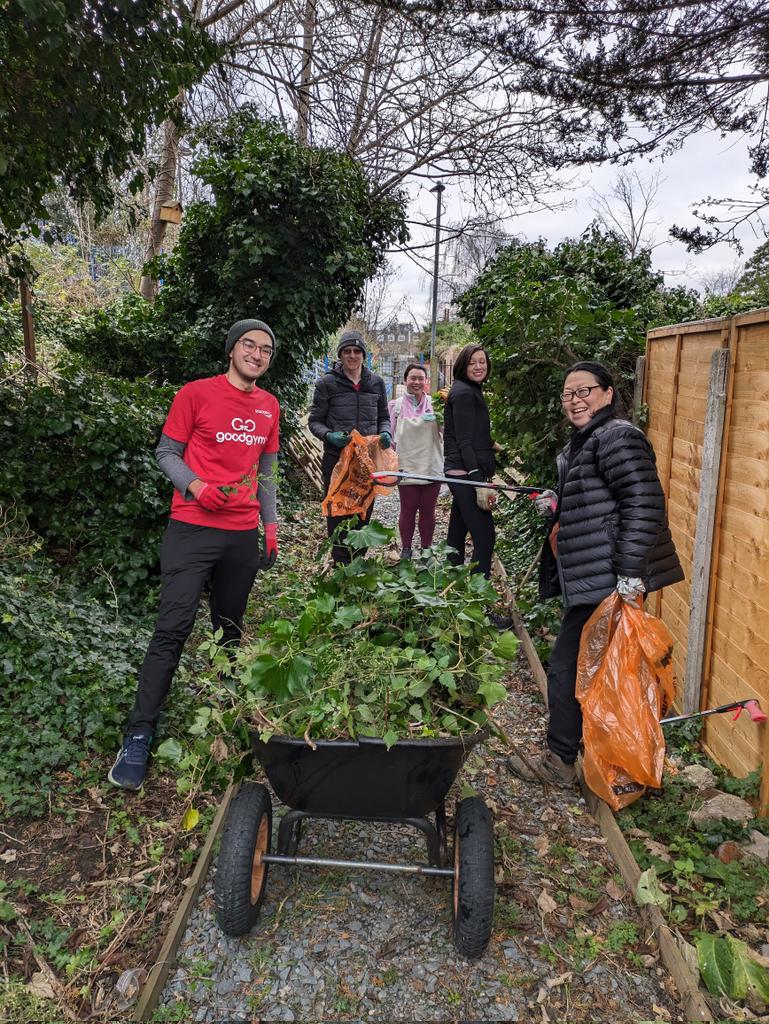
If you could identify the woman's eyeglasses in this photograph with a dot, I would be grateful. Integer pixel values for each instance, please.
(578, 392)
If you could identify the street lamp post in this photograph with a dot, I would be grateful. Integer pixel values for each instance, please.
(434, 381)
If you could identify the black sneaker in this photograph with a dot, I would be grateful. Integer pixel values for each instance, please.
(130, 765)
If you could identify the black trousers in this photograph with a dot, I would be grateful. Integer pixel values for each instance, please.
(190, 556)
(564, 731)
(340, 553)
(466, 517)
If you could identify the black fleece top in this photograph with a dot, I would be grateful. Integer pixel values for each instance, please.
(467, 442)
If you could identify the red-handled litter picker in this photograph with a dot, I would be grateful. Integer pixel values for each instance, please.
(381, 476)
(751, 706)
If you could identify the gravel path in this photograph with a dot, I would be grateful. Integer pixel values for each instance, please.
(345, 945)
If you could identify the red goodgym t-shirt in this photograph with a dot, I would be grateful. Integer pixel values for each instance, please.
(225, 430)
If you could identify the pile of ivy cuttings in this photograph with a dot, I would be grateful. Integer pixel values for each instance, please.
(712, 891)
(389, 650)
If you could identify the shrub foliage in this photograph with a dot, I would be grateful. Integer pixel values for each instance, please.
(539, 310)
(289, 235)
(80, 467)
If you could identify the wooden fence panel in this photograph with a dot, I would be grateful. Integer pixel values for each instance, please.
(738, 665)
(735, 661)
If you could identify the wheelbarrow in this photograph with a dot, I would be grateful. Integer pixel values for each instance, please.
(359, 780)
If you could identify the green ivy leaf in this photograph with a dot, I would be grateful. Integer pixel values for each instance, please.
(492, 692)
(649, 891)
(507, 646)
(170, 751)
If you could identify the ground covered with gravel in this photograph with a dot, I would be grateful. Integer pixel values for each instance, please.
(340, 945)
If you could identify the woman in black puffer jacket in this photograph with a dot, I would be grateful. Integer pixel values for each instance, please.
(608, 530)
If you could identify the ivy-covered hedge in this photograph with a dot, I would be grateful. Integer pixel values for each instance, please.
(79, 465)
(290, 235)
(69, 667)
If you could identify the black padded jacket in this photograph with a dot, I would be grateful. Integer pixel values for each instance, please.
(611, 516)
(467, 442)
(337, 405)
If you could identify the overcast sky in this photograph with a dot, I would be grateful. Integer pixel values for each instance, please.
(707, 165)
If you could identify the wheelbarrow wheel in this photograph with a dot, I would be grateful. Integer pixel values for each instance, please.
(241, 877)
(473, 902)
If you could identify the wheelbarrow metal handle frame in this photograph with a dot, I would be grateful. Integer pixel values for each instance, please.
(380, 474)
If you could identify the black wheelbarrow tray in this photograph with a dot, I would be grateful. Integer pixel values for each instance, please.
(359, 780)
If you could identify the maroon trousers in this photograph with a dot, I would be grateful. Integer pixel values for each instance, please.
(417, 500)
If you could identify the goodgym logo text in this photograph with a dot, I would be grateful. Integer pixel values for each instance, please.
(242, 432)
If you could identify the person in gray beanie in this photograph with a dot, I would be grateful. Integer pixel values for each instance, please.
(219, 449)
(241, 327)
(348, 397)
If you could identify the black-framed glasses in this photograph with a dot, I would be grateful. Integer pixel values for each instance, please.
(251, 346)
(582, 392)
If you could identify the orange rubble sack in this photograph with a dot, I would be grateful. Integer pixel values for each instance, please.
(352, 489)
(625, 685)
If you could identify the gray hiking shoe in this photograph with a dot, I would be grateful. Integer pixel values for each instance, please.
(546, 768)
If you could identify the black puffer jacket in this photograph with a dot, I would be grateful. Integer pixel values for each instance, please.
(611, 516)
(467, 442)
(336, 405)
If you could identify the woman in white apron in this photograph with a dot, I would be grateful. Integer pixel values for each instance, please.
(420, 450)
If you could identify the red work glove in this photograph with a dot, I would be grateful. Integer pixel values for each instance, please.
(211, 498)
(270, 553)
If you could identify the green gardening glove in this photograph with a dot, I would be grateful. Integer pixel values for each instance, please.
(339, 438)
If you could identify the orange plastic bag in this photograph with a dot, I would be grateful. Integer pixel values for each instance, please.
(352, 490)
(624, 684)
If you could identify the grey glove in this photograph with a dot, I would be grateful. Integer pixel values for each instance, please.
(486, 498)
(630, 588)
(545, 503)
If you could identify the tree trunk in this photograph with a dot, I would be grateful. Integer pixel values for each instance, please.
(308, 43)
(164, 192)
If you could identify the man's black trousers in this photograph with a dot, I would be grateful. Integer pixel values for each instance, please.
(190, 556)
(564, 732)
(467, 517)
(340, 553)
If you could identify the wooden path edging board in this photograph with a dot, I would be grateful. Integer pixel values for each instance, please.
(158, 975)
(687, 982)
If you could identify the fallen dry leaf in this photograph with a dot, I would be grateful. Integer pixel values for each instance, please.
(9, 856)
(546, 903)
(542, 845)
(576, 903)
(658, 849)
(561, 979)
(661, 1011)
(40, 986)
(601, 904)
(614, 891)
(219, 750)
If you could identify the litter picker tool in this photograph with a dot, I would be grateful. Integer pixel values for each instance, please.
(752, 707)
(381, 475)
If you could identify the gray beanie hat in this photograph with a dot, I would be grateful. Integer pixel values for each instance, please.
(351, 339)
(242, 327)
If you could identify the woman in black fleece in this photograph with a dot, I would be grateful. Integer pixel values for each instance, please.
(468, 451)
(607, 531)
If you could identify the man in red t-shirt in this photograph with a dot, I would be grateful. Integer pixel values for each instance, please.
(219, 449)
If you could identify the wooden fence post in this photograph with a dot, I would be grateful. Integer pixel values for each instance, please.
(703, 538)
(638, 390)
